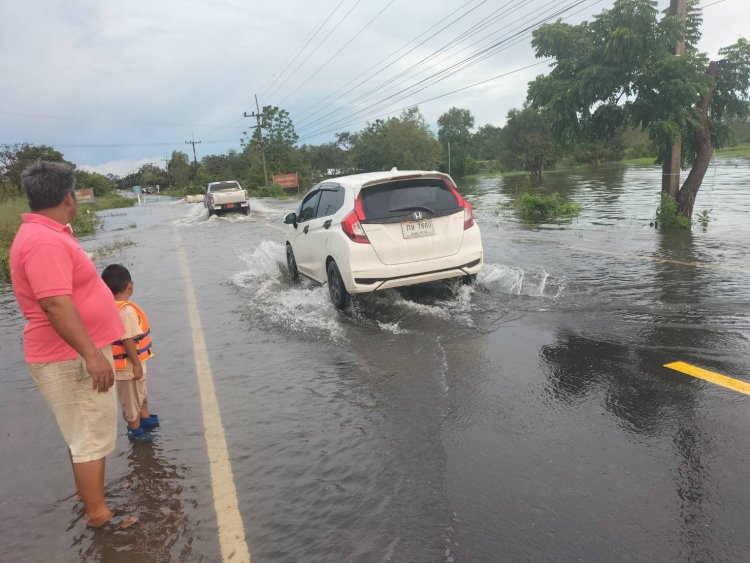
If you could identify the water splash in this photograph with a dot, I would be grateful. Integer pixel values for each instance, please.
(516, 281)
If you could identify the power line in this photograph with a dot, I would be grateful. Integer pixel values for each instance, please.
(344, 46)
(452, 69)
(399, 110)
(301, 49)
(391, 82)
(335, 27)
(340, 94)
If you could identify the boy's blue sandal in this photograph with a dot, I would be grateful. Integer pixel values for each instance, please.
(151, 422)
(138, 435)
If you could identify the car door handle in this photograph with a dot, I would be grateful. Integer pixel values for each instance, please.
(307, 228)
(327, 224)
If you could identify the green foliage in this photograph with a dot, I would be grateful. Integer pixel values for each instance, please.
(534, 206)
(10, 219)
(86, 221)
(112, 201)
(404, 142)
(527, 141)
(619, 70)
(14, 158)
(703, 218)
(179, 169)
(272, 190)
(100, 183)
(454, 132)
(668, 217)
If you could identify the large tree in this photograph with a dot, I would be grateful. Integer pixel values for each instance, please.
(14, 158)
(526, 141)
(404, 142)
(620, 70)
(454, 133)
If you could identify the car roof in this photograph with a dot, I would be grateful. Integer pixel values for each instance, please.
(357, 181)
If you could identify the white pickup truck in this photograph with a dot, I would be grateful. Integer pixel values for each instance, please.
(224, 196)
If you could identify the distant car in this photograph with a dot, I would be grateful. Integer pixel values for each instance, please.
(224, 196)
(379, 230)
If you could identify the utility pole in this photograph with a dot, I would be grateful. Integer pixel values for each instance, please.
(257, 115)
(166, 167)
(670, 178)
(193, 142)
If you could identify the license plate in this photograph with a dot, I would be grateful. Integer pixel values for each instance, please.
(230, 205)
(415, 229)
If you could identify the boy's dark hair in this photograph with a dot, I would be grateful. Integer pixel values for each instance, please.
(47, 183)
(116, 277)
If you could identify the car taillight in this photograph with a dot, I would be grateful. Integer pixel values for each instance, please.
(353, 228)
(468, 209)
(468, 215)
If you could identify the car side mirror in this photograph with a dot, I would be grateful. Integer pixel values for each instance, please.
(291, 219)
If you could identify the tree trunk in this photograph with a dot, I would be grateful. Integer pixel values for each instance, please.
(688, 191)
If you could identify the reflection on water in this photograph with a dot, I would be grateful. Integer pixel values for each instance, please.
(153, 490)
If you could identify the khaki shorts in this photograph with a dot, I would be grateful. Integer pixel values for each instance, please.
(132, 394)
(86, 418)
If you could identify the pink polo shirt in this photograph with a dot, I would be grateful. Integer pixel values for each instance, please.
(46, 261)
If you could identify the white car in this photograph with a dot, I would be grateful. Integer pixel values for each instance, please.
(379, 230)
(225, 196)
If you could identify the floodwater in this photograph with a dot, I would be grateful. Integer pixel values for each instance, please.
(526, 418)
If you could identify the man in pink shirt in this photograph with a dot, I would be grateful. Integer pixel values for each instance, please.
(72, 320)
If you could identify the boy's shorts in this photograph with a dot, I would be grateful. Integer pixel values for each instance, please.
(132, 394)
(87, 419)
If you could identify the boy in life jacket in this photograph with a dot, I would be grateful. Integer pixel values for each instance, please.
(130, 354)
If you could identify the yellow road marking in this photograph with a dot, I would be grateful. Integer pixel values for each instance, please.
(717, 378)
(231, 529)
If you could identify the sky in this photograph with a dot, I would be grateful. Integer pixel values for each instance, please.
(115, 85)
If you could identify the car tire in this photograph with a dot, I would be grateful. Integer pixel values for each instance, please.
(336, 289)
(469, 280)
(246, 210)
(210, 212)
(291, 264)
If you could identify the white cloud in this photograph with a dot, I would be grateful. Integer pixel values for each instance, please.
(122, 167)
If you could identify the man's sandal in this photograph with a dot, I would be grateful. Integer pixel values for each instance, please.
(116, 522)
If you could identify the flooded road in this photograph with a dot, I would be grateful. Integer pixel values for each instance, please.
(526, 418)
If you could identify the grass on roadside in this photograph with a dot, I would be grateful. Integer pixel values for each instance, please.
(85, 223)
(111, 200)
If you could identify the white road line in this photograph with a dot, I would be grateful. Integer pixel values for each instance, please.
(231, 529)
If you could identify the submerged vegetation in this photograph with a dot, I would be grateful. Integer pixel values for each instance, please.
(668, 217)
(535, 207)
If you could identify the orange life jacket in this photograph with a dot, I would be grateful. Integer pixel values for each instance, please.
(142, 341)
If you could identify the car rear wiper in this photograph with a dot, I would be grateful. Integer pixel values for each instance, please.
(413, 208)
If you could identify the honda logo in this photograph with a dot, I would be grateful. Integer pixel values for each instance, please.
(418, 215)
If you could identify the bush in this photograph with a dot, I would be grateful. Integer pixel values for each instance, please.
(112, 200)
(538, 206)
(272, 190)
(668, 217)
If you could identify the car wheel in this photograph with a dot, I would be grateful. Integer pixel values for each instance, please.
(246, 210)
(469, 280)
(291, 264)
(210, 211)
(336, 288)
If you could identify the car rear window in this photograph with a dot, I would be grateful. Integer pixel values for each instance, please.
(400, 199)
(221, 186)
